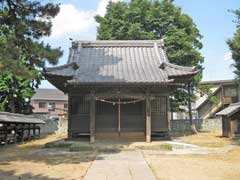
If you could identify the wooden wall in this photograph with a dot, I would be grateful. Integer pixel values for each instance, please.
(133, 116)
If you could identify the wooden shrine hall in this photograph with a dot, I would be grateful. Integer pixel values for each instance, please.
(118, 87)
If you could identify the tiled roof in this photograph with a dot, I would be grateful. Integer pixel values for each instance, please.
(120, 62)
(6, 117)
(49, 94)
(230, 110)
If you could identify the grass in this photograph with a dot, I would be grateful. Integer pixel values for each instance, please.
(206, 139)
(164, 146)
(77, 148)
(57, 145)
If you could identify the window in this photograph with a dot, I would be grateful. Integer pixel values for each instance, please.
(42, 104)
(231, 92)
(51, 106)
(65, 105)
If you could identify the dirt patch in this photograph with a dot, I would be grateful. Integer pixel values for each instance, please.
(206, 139)
(199, 167)
(30, 161)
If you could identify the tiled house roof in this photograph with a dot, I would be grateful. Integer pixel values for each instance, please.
(135, 61)
(49, 94)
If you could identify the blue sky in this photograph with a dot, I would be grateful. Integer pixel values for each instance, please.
(212, 18)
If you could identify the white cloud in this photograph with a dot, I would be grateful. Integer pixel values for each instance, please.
(101, 9)
(71, 20)
(228, 56)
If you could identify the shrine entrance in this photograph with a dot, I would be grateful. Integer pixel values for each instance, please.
(120, 115)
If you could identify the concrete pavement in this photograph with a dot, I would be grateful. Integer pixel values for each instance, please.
(124, 165)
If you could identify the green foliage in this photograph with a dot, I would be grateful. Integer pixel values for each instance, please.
(15, 93)
(206, 90)
(234, 45)
(144, 19)
(22, 55)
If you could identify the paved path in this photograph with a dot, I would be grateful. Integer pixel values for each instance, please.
(125, 165)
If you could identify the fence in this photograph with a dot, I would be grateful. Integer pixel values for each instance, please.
(183, 127)
(52, 126)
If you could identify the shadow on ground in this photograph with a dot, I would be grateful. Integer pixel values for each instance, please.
(11, 175)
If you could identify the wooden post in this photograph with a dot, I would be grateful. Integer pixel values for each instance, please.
(119, 118)
(92, 118)
(6, 133)
(169, 115)
(148, 119)
(34, 131)
(23, 130)
(15, 133)
(29, 131)
(69, 115)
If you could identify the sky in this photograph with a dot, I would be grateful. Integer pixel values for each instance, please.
(212, 17)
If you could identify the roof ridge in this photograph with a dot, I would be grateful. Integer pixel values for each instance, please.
(17, 114)
(186, 68)
(118, 43)
(73, 64)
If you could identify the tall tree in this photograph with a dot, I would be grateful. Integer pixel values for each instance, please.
(22, 55)
(144, 19)
(234, 45)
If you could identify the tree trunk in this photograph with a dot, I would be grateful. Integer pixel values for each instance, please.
(12, 106)
(192, 122)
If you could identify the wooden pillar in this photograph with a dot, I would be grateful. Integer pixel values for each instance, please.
(92, 118)
(6, 133)
(34, 131)
(29, 131)
(169, 115)
(22, 132)
(148, 119)
(39, 132)
(69, 112)
(119, 118)
(15, 133)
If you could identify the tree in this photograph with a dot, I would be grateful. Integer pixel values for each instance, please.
(22, 55)
(144, 19)
(234, 45)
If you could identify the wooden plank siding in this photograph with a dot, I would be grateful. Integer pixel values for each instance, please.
(135, 117)
(159, 114)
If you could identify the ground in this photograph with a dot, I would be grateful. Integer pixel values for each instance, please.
(199, 167)
(36, 160)
(206, 139)
(30, 161)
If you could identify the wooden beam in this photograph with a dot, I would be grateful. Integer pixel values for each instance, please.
(148, 119)
(169, 114)
(92, 118)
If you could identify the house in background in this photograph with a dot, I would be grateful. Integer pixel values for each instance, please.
(49, 101)
(226, 92)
